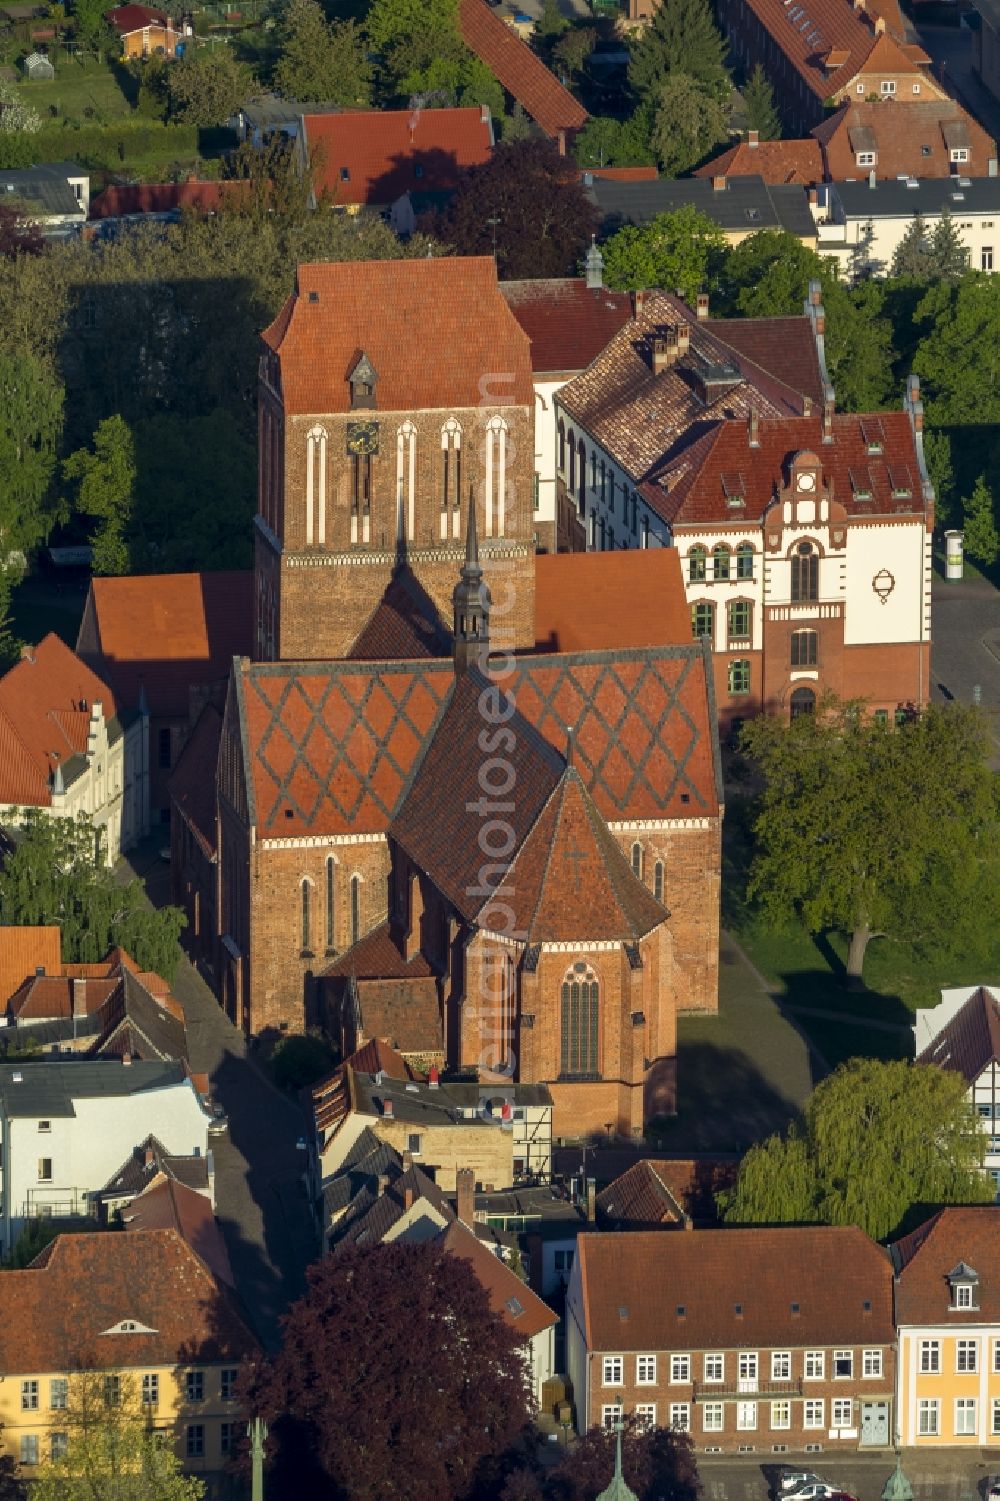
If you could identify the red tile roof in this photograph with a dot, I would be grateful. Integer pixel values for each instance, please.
(50, 997)
(192, 781)
(663, 1190)
(126, 18)
(386, 153)
(22, 951)
(511, 1298)
(970, 1042)
(924, 1259)
(155, 1280)
(166, 197)
(567, 322)
(166, 633)
(621, 174)
(404, 626)
(522, 74)
(912, 140)
(838, 32)
(826, 1274)
(377, 957)
(430, 327)
(45, 704)
(693, 488)
(169, 1205)
(570, 879)
(775, 161)
(593, 601)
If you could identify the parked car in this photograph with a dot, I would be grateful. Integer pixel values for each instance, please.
(813, 1490)
(993, 1494)
(788, 1479)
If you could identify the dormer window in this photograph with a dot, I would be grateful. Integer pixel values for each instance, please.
(959, 154)
(866, 158)
(964, 1284)
(363, 379)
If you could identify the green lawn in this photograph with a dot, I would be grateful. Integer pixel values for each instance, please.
(807, 971)
(77, 87)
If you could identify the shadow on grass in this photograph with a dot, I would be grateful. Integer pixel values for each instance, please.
(724, 1103)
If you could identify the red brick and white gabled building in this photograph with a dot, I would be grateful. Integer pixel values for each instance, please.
(804, 533)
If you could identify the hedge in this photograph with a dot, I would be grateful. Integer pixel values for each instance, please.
(97, 146)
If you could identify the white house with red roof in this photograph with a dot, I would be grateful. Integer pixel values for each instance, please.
(962, 1033)
(66, 747)
(804, 533)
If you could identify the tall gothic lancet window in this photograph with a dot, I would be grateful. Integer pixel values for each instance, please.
(406, 480)
(496, 477)
(451, 479)
(361, 497)
(306, 916)
(355, 909)
(579, 1033)
(316, 486)
(331, 867)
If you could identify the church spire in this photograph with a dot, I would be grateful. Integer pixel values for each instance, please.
(471, 601)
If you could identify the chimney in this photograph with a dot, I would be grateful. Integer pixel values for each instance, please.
(383, 1183)
(126, 1060)
(702, 305)
(434, 1077)
(591, 1200)
(484, 116)
(408, 1196)
(807, 406)
(79, 997)
(880, 26)
(828, 420)
(753, 428)
(860, 5)
(991, 167)
(753, 136)
(407, 1161)
(913, 402)
(27, 653)
(718, 184)
(872, 179)
(465, 1196)
(815, 293)
(149, 1157)
(664, 352)
(39, 970)
(387, 1113)
(594, 266)
(813, 198)
(683, 338)
(640, 302)
(562, 143)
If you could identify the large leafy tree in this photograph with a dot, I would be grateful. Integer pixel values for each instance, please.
(430, 1382)
(923, 1147)
(877, 831)
(606, 142)
(208, 87)
(758, 98)
(31, 415)
(768, 276)
(682, 37)
(956, 358)
(57, 874)
(528, 197)
(982, 541)
(655, 1463)
(320, 60)
(682, 249)
(19, 235)
(105, 479)
(421, 55)
(113, 1451)
(689, 122)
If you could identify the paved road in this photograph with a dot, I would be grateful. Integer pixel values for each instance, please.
(949, 1475)
(260, 1195)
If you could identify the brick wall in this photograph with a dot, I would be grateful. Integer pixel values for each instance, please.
(692, 886)
(326, 591)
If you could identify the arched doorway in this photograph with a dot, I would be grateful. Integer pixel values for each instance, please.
(803, 701)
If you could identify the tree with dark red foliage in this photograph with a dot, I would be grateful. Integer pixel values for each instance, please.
(18, 235)
(395, 1380)
(528, 201)
(658, 1465)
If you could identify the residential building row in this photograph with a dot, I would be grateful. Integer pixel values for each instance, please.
(806, 1339)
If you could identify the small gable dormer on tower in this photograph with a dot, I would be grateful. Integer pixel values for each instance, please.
(964, 1285)
(363, 378)
(806, 503)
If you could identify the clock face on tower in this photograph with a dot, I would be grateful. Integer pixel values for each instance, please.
(362, 437)
(806, 482)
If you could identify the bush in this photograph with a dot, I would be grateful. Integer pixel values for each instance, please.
(99, 146)
(299, 1061)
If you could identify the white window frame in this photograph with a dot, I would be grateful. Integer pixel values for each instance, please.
(746, 1417)
(962, 1295)
(813, 1412)
(781, 1414)
(612, 1370)
(996, 1355)
(680, 1370)
(645, 1415)
(645, 1370)
(747, 1366)
(887, 87)
(986, 258)
(713, 1417)
(995, 1430)
(815, 1365)
(928, 1417)
(958, 154)
(916, 88)
(967, 1350)
(781, 1365)
(966, 1408)
(847, 1356)
(718, 1363)
(680, 1417)
(929, 1357)
(865, 158)
(871, 1364)
(842, 1412)
(611, 1413)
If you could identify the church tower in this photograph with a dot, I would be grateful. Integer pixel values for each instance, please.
(471, 605)
(389, 391)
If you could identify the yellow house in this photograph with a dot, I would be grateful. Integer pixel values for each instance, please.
(142, 1311)
(947, 1289)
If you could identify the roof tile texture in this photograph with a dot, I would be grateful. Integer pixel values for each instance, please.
(775, 161)
(522, 74)
(829, 1271)
(923, 1295)
(567, 322)
(386, 153)
(45, 704)
(22, 951)
(909, 140)
(971, 1040)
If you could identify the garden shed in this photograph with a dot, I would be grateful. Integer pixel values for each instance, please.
(38, 67)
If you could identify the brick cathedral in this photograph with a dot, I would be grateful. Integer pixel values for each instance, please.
(468, 798)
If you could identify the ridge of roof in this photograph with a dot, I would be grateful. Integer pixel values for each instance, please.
(521, 73)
